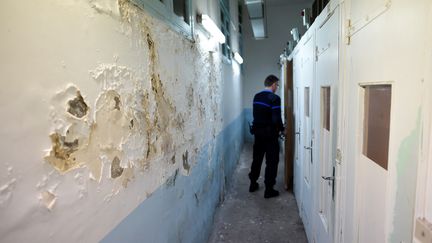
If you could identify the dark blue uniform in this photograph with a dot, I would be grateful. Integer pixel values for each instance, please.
(267, 124)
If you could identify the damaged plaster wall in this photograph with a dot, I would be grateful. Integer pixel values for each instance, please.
(102, 105)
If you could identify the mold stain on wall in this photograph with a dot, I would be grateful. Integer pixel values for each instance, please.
(61, 153)
(118, 128)
(116, 169)
(138, 119)
(77, 106)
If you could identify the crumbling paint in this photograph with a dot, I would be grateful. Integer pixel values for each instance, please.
(186, 165)
(6, 192)
(77, 106)
(407, 162)
(120, 125)
(61, 154)
(116, 169)
(70, 132)
(48, 199)
(145, 221)
(150, 112)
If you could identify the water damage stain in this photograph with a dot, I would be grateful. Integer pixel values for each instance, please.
(61, 153)
(48, 199)
(116, 169)
(165, 110)
(172, 180)
(117, 102)
(77, 106)
(186, 165)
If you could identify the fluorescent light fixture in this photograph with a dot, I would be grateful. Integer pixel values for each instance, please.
(212, 28)
(258, 28)
(238, 58)
(306, 13)
(255, 9)
(257, 16)
(295, 34)
(253, 1)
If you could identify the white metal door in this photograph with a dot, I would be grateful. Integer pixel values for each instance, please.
(298, 178)
(306, 147)
(326, 105)
(372, 165)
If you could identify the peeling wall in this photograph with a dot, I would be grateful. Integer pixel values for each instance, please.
(103, 106)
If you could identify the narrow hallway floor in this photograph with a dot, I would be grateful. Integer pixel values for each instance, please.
(248, 217)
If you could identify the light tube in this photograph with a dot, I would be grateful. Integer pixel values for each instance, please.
(212, 28)
(238, 58)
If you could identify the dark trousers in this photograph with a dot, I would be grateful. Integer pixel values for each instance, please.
(268, 146)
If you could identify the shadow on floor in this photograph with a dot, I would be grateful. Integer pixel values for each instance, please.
(248, 217)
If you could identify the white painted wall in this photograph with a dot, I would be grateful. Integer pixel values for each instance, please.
(232, 72)
(154, 100)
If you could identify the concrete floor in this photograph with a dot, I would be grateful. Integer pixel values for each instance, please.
(248, 217)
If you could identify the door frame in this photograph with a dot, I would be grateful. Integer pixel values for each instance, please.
(289, 124)
(424, 183)
(334, 223)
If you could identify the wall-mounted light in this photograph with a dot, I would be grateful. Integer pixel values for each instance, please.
(295, 34)
(238, 58)
(306, 14)
(290, 46)
(211, 27)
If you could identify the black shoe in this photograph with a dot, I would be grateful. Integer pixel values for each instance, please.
(253, 187)
(268, 193)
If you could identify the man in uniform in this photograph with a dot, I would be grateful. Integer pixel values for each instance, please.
(266, 126)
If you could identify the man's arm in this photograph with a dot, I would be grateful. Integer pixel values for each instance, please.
(276, 114)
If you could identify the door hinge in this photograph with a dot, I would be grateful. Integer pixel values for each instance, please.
(348, 31)
(338, 156)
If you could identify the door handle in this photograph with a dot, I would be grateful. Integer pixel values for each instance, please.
(328, 178)
(310, 148)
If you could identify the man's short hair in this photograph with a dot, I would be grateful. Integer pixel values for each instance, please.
(270, 80)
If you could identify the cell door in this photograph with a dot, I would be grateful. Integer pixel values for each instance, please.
(327, 73)
(375, 101)
(306, 148)
(298, 175)
(307, 138)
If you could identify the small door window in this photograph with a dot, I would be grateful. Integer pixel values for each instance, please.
(325, 101)
(306, 101)
(376, 125)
